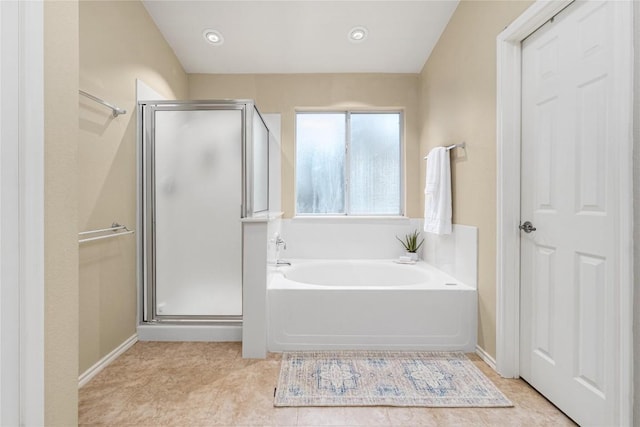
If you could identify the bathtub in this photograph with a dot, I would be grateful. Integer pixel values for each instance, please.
(368, 304)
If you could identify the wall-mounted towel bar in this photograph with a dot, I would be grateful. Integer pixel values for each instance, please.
(115, 229)
(116, 110)
(462, 145)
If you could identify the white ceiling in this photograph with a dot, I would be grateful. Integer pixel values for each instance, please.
(302, 36)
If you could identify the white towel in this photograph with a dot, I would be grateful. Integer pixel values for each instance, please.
(437, 192)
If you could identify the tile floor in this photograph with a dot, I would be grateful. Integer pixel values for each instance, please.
(209, 384)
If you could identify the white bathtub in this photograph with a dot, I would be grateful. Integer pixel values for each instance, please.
(369, 304)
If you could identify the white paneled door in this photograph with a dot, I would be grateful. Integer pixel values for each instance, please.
(570, 155)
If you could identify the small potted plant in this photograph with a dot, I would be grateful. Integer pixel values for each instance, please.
(411, 245)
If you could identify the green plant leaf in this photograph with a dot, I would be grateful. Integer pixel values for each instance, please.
(410, 242)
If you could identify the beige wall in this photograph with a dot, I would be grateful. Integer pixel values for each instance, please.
(277, 93)
(61, 214)
(458, 103)
(118, 43)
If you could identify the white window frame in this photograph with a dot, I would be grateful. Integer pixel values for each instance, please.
(346, 214)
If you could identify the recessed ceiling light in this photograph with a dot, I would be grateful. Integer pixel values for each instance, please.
(213, 37)
(358, 34)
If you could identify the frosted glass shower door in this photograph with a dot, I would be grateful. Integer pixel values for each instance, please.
(198, 195)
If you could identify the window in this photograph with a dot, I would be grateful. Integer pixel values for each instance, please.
(348, 163)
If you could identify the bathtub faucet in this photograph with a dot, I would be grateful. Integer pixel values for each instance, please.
(280, 242)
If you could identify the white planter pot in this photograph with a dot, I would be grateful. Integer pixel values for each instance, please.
(411, 255)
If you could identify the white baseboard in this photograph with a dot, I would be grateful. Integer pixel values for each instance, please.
(105, 361)
(486, 357)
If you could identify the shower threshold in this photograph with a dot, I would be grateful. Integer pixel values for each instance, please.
(191, 330)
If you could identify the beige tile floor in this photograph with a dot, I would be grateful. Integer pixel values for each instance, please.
(209, 384)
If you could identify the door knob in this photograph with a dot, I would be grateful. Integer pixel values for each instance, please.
(527, 227)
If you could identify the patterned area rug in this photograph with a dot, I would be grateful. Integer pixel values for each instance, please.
(382, 378)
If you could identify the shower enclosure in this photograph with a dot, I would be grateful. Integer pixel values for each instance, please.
(204, 168)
